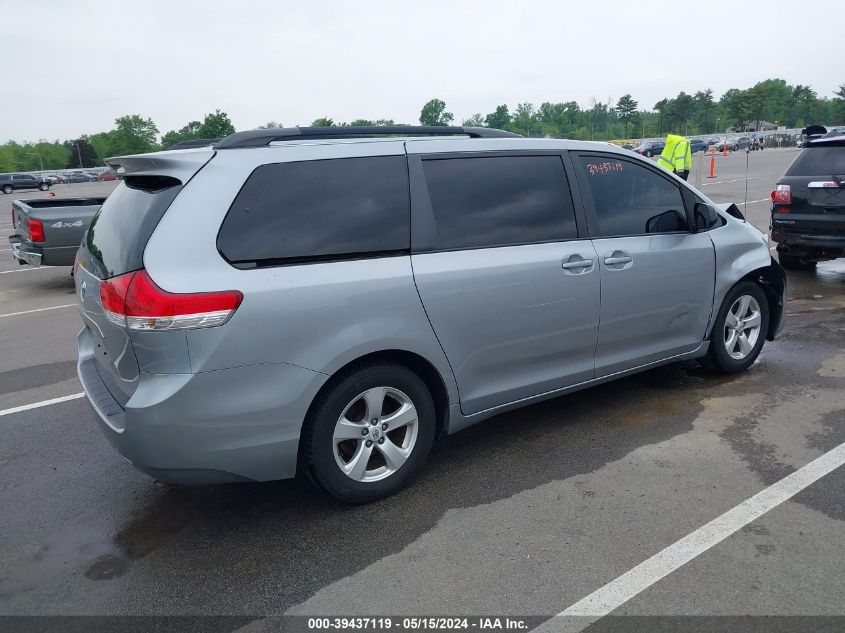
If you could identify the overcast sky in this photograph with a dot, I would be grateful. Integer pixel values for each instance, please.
(79, 64)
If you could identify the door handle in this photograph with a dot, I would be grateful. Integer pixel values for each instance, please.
(621, 259)
(578, 263)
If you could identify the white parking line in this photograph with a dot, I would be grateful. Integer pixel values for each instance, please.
(754, 201)
(22, 270)
(11, 314)
(721, 182)
(617, 592)
(43, 403)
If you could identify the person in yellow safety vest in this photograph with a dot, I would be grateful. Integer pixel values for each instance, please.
(676, 156)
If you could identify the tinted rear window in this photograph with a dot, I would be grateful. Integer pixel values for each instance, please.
(819, 161)
(483, 202)
(115, 241)
(319, 210)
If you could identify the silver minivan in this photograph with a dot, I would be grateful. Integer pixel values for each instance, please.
(330, 300)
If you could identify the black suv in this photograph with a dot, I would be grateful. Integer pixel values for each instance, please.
(12, 182)
(808, 205)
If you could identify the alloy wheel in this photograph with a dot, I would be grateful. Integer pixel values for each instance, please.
(376, 434)
(742, 327)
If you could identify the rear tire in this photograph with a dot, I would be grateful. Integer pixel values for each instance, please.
(43, 186)
(793, 262)
(7, 189)
(739, 330)
(333, 450)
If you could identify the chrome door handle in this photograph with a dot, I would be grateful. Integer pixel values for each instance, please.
(580, 263)
(624, 259)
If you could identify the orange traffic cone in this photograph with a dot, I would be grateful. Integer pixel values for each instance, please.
(725, 153)
(712, 167)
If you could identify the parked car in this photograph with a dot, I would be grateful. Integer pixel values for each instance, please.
(109, 174)
(808, 205)
(732, 143)
(330, 308)
(80, 176)
(650, 148)
(48, 231)
(698, 145)
(17, 182)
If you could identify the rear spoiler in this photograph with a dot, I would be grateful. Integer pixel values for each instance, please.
(180, 164)
(194, 143)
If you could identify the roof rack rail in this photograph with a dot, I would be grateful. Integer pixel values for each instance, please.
(261, 138)
(195, 142)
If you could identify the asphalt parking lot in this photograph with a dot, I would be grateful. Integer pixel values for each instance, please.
(526, 514)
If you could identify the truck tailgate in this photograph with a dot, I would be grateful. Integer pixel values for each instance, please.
(64, 220)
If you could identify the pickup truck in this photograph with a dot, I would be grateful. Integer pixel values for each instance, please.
(49, 231)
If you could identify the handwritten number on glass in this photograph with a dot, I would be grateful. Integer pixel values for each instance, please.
(595, 169)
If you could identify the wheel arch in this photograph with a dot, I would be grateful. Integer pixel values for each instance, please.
(421, 366)
(772, 279)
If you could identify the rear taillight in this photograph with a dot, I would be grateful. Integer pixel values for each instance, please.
(782, 194)
(36, 231)
(133, 300)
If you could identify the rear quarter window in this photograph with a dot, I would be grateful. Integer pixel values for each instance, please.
(319, 210)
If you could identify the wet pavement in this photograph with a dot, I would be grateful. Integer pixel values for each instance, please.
(524, 514)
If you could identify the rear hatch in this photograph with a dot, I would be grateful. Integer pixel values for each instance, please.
(114, 245)
(811, 195)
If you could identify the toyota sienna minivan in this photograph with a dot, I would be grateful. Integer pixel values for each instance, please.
(329, 301)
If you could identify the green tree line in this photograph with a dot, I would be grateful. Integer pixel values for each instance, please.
(772, 100)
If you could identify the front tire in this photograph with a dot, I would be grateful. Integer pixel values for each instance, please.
(43, 186)
(369, 434)
(7, 189)
(740, 329)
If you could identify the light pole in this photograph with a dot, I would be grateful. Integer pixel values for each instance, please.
(79, 153)
(39, 158)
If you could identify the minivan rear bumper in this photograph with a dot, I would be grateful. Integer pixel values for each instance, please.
(239, 424)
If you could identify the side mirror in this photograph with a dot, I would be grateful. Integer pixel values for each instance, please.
(705, 216)
(666, 222)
